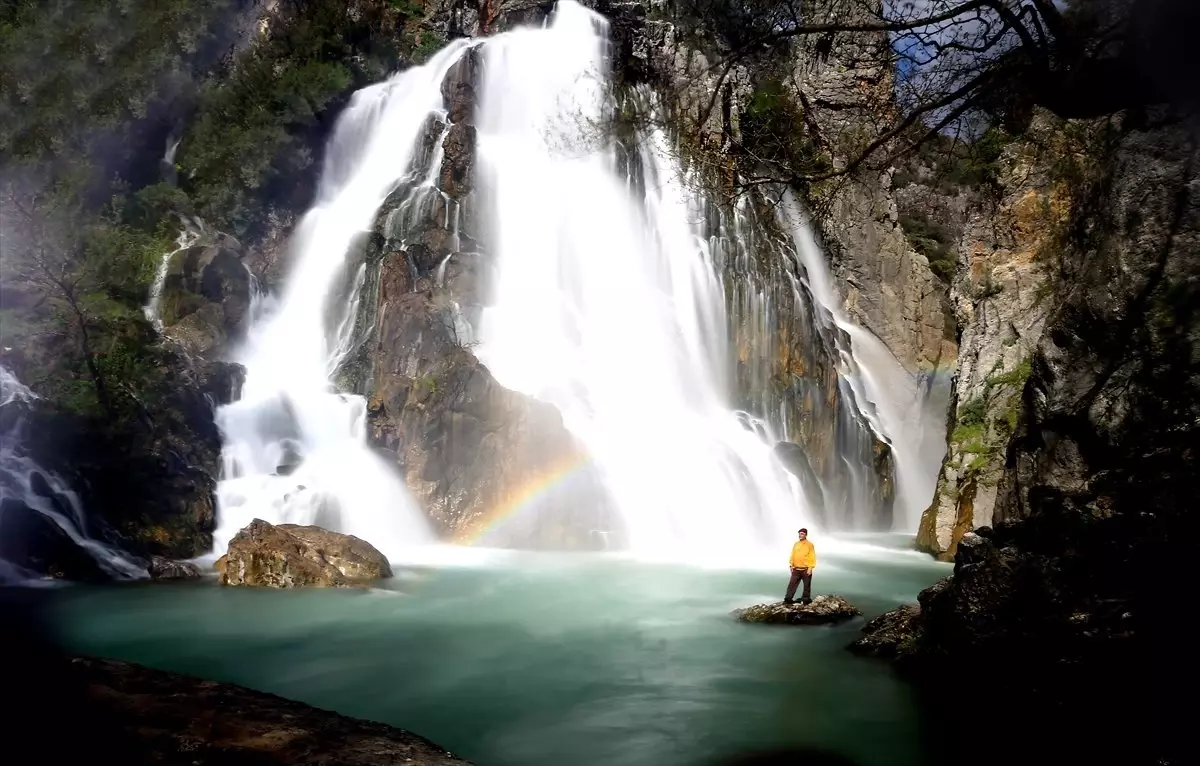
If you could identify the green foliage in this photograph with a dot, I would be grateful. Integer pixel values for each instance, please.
(74, 73)
(987, 288)
(253, 142)
(985, 424)
(932, 240)
(1014, 377)
(773, 127)
(955, 165)
(972, 412)
(83, 85)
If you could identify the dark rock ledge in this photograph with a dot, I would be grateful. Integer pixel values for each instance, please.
(151, 716)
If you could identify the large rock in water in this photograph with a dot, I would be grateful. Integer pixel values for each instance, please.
(289, 555)
(824, 610)
(142, 715)
(891, 635)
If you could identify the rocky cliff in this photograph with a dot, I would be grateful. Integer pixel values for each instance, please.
(1067, 608)
(1006, 234)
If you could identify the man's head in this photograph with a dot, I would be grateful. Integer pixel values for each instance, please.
(803, 533)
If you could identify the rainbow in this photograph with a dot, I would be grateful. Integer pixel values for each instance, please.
(524, 497)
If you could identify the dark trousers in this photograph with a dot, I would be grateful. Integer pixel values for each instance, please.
(798, 576)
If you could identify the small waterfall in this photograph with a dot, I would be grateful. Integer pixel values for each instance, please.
(786, 369)
(27, 488)
(900, 411)
(295, 448)
(607, 305)
(188, 237)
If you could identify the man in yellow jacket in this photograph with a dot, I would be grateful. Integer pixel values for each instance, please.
(803, 561)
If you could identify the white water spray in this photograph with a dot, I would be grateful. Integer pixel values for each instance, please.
(607, 306)
(295, 448)
(900, 412)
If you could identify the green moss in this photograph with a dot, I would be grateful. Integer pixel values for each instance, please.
(1014, 377)
(934, 241)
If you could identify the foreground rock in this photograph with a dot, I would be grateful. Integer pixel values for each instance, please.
(824, 610)
(290, 555)
(150, 716)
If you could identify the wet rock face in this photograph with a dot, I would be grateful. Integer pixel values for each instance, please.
(469, 450)
(146, 483)
(824, 610)
(36, 545)
(206, 295)
(289, 556)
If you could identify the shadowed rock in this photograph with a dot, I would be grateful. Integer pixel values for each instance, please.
(824, 610)
(289, 556)
(891, 634)
(162, 568)
(151, 716)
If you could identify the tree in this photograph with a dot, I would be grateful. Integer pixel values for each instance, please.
(946, 66)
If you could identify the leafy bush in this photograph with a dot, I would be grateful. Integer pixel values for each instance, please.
(773, 124)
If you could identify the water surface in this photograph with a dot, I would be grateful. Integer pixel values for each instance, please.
(527, 659)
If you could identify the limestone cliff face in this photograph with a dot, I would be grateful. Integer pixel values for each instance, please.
(1007, 257)
(887, 286)
(1095, 530)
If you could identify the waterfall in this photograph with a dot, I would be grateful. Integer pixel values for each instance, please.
(295, 448)
(188, 236)
(28, 489)
(901, 412)
(607, 305)
(618, 294)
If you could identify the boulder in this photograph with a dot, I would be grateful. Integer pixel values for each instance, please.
(289, 555)
(891, 634)
(824, 610)
(162, 568)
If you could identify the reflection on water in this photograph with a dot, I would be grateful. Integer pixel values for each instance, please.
(545, 659)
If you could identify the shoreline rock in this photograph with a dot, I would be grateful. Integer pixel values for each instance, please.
(162, 568)
(891, 635)
(290, 555)
(824, 610)
(154, 716)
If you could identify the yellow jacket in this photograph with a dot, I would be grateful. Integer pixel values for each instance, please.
(804, 555)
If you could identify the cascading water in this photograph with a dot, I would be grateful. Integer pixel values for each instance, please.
(606, 305)
(188, 236)
(900, 411)
(295, 448)
(609, 301)
(27, 489)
